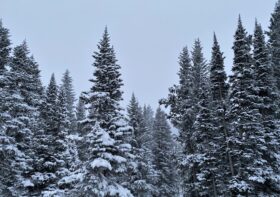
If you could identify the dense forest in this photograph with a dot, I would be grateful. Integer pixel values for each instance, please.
(54, 143)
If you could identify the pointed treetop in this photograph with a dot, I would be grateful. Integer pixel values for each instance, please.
(215, 42)
(133, 96)
(240, 25)
(105, 41)
(52, 81)
(215, 38)
(197, 48)
(258, 26)
(22, 48)
(5, 46)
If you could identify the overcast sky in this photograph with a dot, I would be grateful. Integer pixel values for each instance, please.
(147, 35)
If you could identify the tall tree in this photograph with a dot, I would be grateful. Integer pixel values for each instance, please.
(267, 97)
(163, 142)
(245, 128)
(106, 127)
(80, 114)
(218, 75)
(8, 148)
(23, 120)
(140, 178)
(218, 95)
(50, 144)
(5, 47)
(274, 45)
(182, 115)
(70, 97)
(204, 157)
(200, 69)
(49, 107)
(106, 85)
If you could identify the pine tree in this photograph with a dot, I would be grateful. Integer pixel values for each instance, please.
(51, 146)
(70, 97)
(49, 113)
(148, 115)
(8, 149)
(204, 158)
(246, 133)
(266, 91)
(107, 83)
(200, 69)
(23, 114)
(219, 90)
(65, 149)
(80, 114)
(217, 73)
(106, 128)
(147, 146)
(182, 115)
(140, 182)
(5, 47)
(274, 45)
(166, 173)
(136, 121)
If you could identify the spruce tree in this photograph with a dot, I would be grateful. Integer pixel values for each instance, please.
(8, 149)
(204, 158)
(23, 114)
(70, 97)
(274, 45)
(80, 114)
(50, 144)
(246, 133)
(267, 97)
(140, 182)
(182, 115)
(166, 173)
(148, 115)
(49, 113)
(106, 128)
(217, 73)
(200, 69)
(218, 95)
(5, 47)
(106, 85)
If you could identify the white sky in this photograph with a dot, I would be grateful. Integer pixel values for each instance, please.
(147, 35)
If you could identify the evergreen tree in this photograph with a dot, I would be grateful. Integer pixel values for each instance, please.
(49, 113)
(274, 45)
(136, 121)
(5, 47)
(148, 115)
(246, 133)
(106, 128)
(80, 114)
(267, 96)
(219, 90)
(70, 97)
(205, 155)
(217, 73)
(107, 83)
(166, 179)
(182, 115)
(200, 69)
(140, 182)
(50, 144)
(8, 149)
(23, 115)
